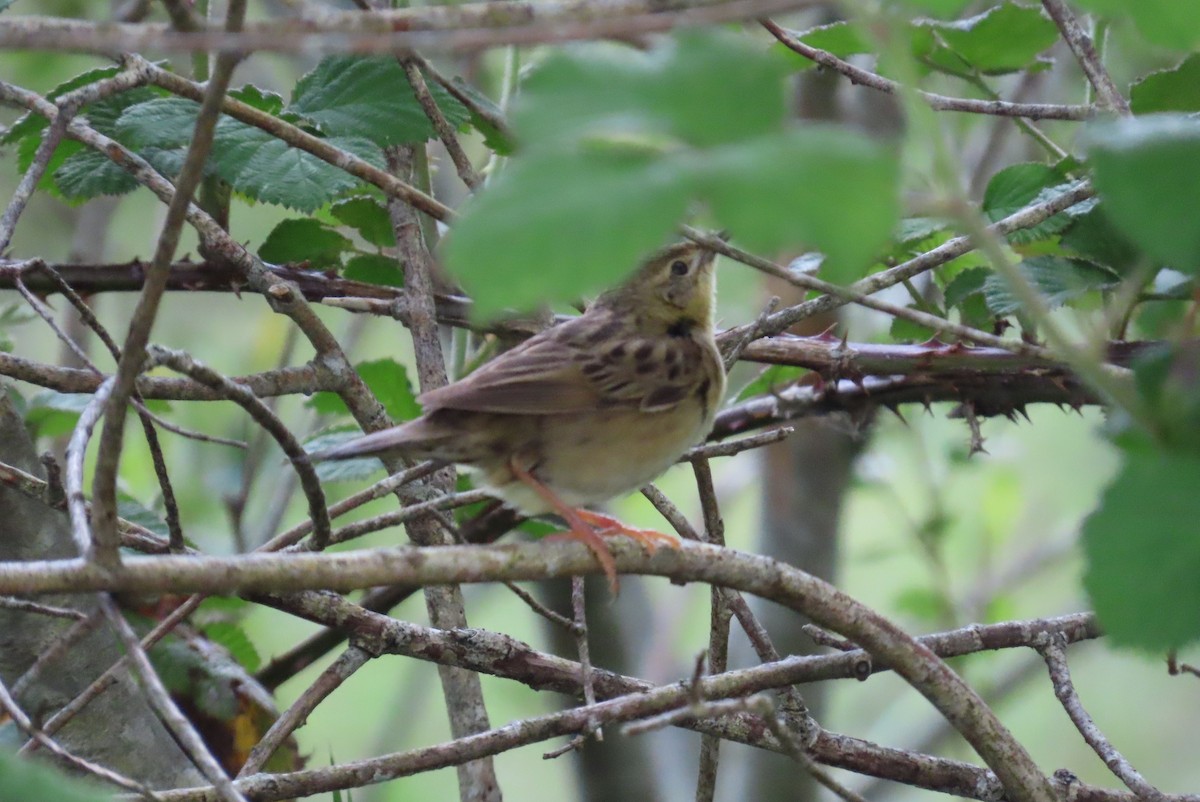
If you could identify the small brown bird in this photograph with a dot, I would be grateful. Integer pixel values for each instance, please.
(587, 410)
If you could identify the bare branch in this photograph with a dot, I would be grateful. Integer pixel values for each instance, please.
(1085, 53)
(1033, 111)
(465, 28)
(1053, 651)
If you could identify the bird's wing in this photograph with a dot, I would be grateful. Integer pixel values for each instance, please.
(540, 376)
(580, 366)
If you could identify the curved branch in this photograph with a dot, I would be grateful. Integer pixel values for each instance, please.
(823, 603)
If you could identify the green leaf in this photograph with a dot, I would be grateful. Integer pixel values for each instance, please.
(234, 639)
(1147, 170)
(4, 4)
(1058, 280)
(1168, 379)
(917, 229)
(259, 98)
(89, 173)
(562, 225)
(616, 145)
(369, 97)
(499, 141)
(1143, 554)
(304, 240)
(967, 283)
(1005, 38)
(938, 8)
(388, 380)
(830, 188)
(906, 331)
(343, 470)
(368, 217)
(1093, 236)
(373, 268)
(30, 123)
(34, 779)
(53, 414)
(699, 88)
(164, 122)
(1176, 89)
(133, 510)
(1017, 186)
(269, 170)
(926, 604)
(771, 379)
(840, 38)
(1170, 23)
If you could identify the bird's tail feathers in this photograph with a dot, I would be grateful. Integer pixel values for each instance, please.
(416, 439)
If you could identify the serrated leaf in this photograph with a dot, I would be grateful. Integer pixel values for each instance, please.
(268, 170)
(937, 8)
(1147, 170)
(134, 511)
(304, 239)
(89, 174)
(368, 217)
(903, 330)
(53, 414)
(558, 216)
(30, 123)
(1058, 280)
(375, 269)
(965, 284)
(1005, 38)
(1017, 186)
(259, 98)
(1142, 552)
(840, 38)
(342, 470)
(1176, 89)
(499, 141)
(1170, 23)
(387, 380)
(234, 639)
(916, 229)
(699, 89)
(813, 177)
(1093, 236)
(618, 144)
(1167, 379)
(33, 779)
(165, 122)
(771, 379)
(369, 97)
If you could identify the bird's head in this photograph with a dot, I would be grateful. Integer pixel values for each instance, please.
(674, 289)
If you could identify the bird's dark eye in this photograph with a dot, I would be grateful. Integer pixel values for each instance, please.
(679, 268)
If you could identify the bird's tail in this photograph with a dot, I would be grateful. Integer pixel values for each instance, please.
(417, 439)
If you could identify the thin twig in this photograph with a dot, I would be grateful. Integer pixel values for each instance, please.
(445, 132)
(26, 606)
(1053, 651)
(857, 75)
(718, 633)
(133, 353)
(294, 717)
(165, 708)
(1085, 53)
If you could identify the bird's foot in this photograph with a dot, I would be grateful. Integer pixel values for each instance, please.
(606, 526)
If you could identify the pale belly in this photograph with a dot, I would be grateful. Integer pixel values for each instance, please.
(613, 455)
